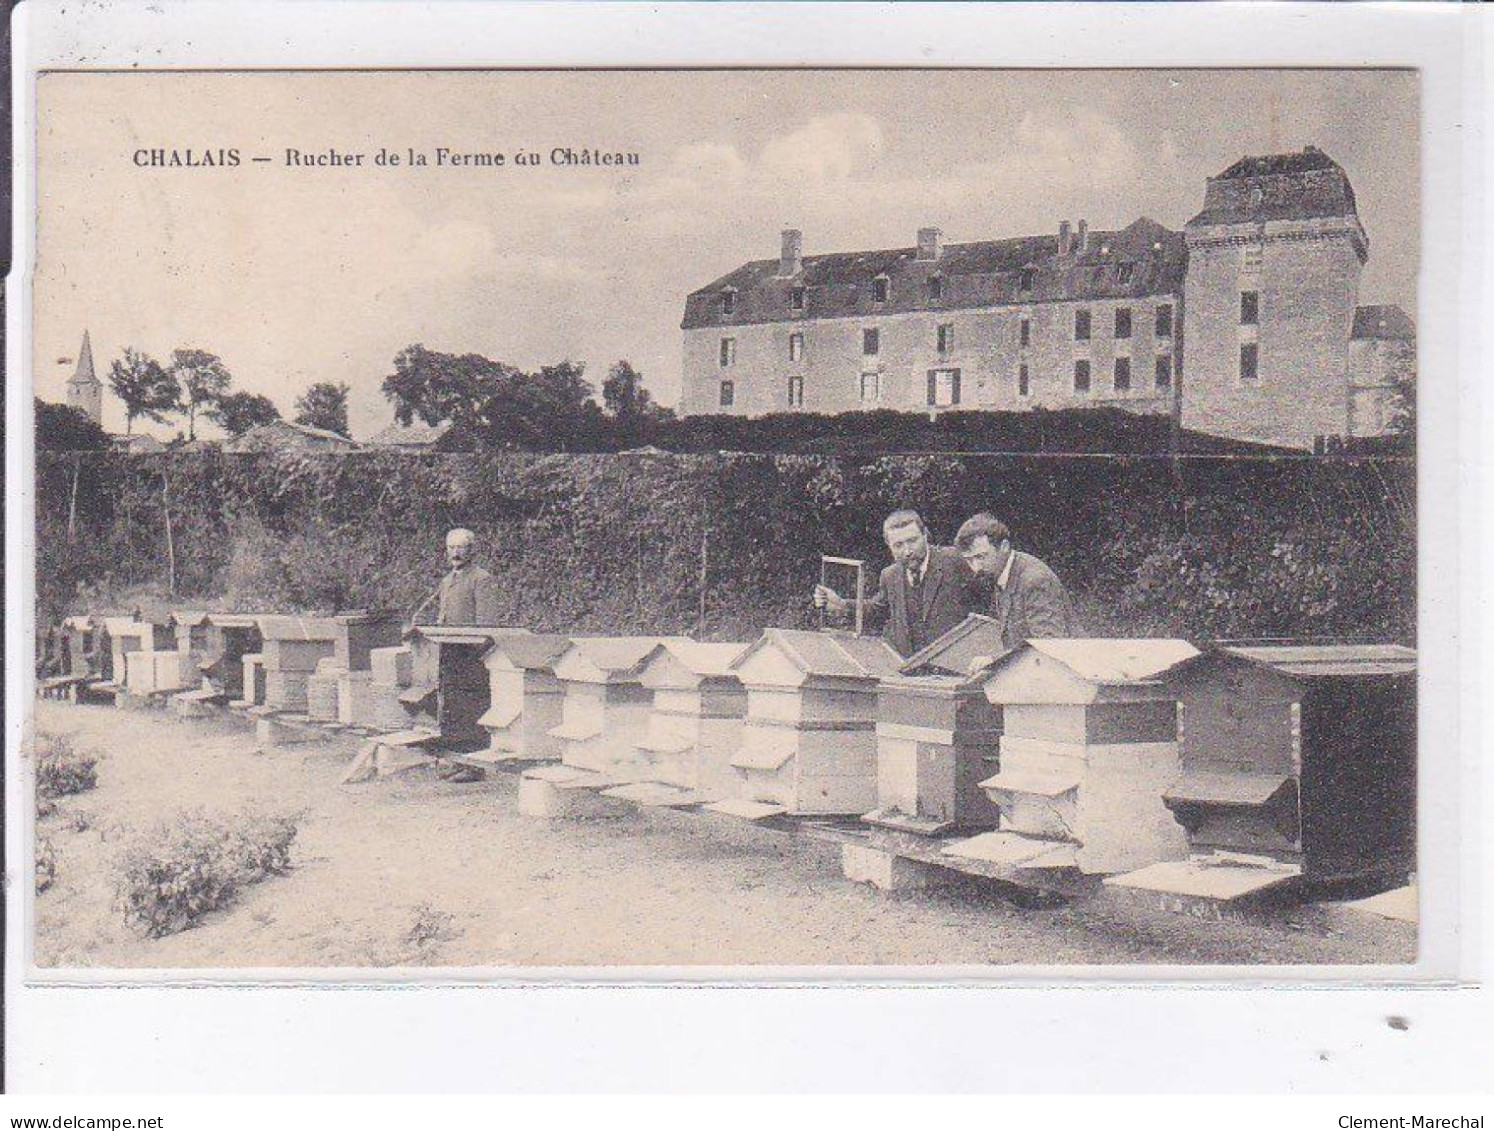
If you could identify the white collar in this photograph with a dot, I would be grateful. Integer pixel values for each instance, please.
(1006, 570)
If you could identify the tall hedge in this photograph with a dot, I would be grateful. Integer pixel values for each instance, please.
(727, 544)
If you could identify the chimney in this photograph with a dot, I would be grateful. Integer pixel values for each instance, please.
(1081, 244)
(930, 243)
(791, 258)
(1063, 237)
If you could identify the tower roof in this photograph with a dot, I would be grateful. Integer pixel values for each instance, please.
(1279, 186)
(83, 374)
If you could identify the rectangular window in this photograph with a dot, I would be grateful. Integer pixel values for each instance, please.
(1164, 371)
(1081, 325)
(1024, 332)
(871, 388)
(1081, 376)
(1164, 321)
(936, 287)
(1025, 278)
(796, 347)
(944, 388)
(871, 342)
(1123, 322)
(728, 352)
(1024, 386)
(796, 298)
(1122, 374)
(1249, 362)
(796, 392)
(728, 393)
(879, 290)
(1250, 308)
(945, 338)
(728, 302)
(1124, 273)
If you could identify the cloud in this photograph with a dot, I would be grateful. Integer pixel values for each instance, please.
(825, 149)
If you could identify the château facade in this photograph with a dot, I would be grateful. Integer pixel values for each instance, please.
(1246, 323)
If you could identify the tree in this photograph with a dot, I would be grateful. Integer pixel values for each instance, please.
(145, 388)
(1402, 420)
(630, 405)
(63, 428)
(325, 406)
(203, 378)
(551, 410)
(441, 387)
(236, 413)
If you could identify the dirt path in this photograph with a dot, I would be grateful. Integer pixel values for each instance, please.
(413, 871)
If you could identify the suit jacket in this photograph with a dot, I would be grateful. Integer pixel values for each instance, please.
(945, 600)
(468, 596)
(1033, 605)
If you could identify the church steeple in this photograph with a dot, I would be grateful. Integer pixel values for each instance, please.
(85, 391)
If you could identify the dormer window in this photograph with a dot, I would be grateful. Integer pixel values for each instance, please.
(879, 289)
(728, 302)
(1125, 272)
(936, 287)
(796, 298)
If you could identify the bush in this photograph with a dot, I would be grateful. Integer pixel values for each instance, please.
(46, 864)
(61, 769)
(184, 868)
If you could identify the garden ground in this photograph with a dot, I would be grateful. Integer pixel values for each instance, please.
(412, 871)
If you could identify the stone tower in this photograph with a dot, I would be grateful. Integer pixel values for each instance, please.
(85, 391)
(1268, 305)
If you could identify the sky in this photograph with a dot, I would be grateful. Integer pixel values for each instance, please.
(295, 274)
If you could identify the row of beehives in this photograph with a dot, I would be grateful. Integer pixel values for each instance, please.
(1218, 773)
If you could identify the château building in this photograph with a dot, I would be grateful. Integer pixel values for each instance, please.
(1246, 323)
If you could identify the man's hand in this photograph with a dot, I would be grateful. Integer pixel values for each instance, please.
(828, 599)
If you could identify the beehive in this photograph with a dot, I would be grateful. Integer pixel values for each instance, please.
(606, 707)
(451, 656)
(81, 637)
(126, 635)
(525, 697)
(359, 633)
(695, 725)
(1296, 761)
(1088, 747)
(252, 680)
(321, 690)
(190, 630)
(230, 637)
(938, 736)
(151, 672)
(390, 674)
(293, 646)
(809, 743)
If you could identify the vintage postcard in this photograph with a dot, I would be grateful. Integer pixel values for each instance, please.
(505, 519)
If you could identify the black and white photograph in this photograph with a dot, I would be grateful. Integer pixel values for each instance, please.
(940, 519)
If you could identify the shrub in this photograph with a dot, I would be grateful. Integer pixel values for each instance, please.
(61, 769)
(184, 868)
(46, 864)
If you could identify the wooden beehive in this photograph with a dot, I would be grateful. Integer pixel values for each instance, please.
(695, 726)
(1088, 747)
(1297, 756)
(606, 707)
(358, 633)
(293, 646)
(230, 637)
(451, 658)
(809, 743)
(251, 681)
(938, 736)
(321, 690)
(126, 635)
(525, 697)
(81, 637)
(190, 630)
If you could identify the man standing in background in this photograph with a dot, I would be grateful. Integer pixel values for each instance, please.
(468, 594)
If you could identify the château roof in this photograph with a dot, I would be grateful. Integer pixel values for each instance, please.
(1282, 186)
(1385, 323)
(1141, 259)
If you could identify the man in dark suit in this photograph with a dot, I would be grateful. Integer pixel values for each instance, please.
(1018, 591)
(468, 594)
(924, 594)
